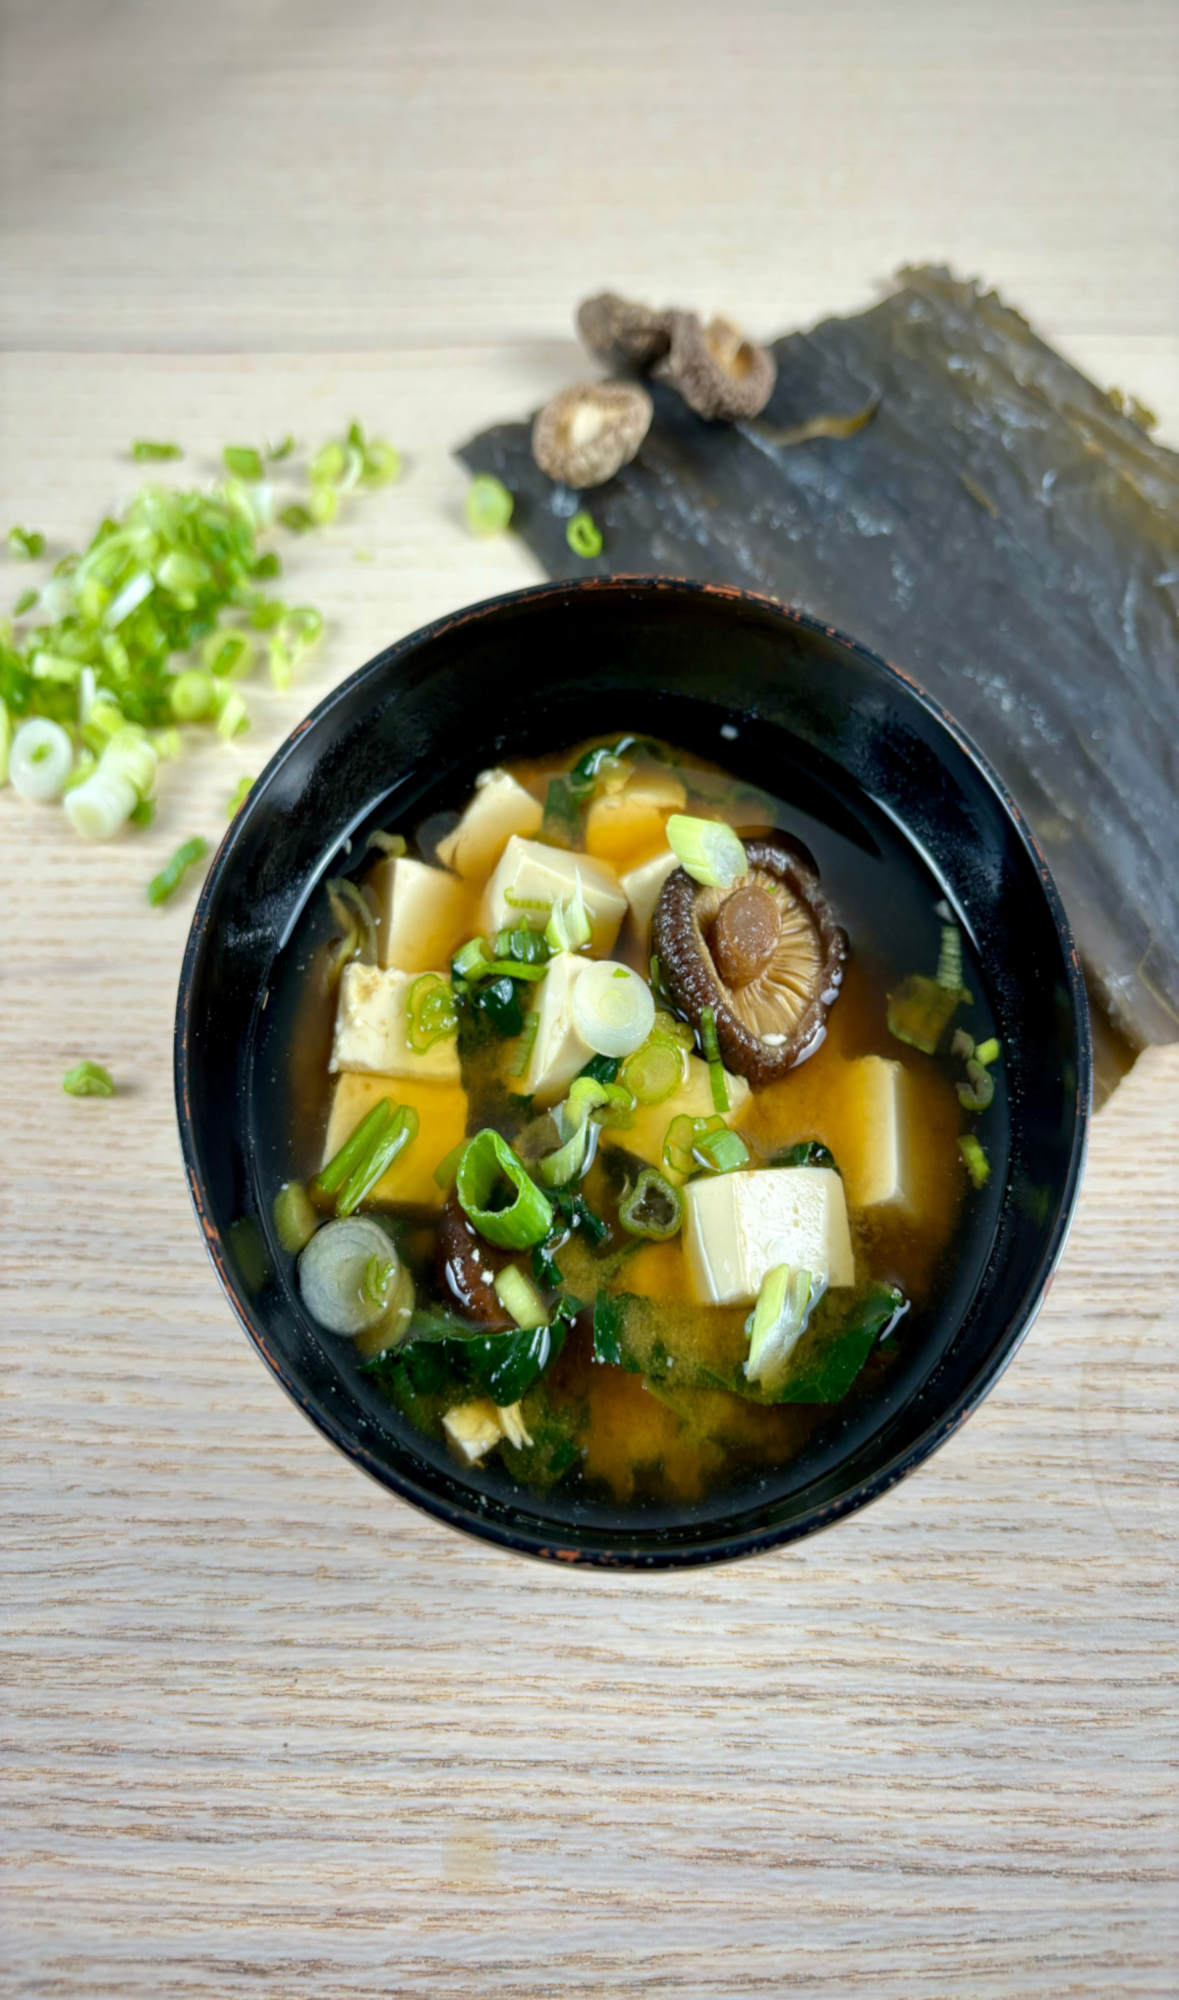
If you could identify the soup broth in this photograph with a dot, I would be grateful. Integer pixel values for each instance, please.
(637, 1112)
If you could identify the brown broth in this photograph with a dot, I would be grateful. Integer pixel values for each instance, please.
(635, 1442)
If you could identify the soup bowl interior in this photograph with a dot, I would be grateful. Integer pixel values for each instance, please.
(759, 689)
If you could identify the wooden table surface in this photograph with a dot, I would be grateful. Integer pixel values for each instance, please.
(266, 1729)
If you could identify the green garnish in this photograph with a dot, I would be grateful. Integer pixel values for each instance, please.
(88, 1079)
(976, 1162)
(391, 844)
(430, 1012)
(295, 1218)
(357, 1148)
(145, 451)
(708, 849)
(590, 1098)
(655, 1071)
(25, 601)
(239, 795)
(26, 543)
(987, 1052)
(227, 655)
(777, 1323)
(976, 1093)
(584, 535)
(243, 461)
(447, 1168)
(653, 1209)
(489, 505)
(498, 1196)
(702, 1142)
(519, 1297)
(805, 1153)
(721, 1152)
(949, 961)
(377, 1274)
(194, 695)
(395, 1135)
(143, 813)
(298, 518)
(712, 1056)
(172, 873)
(282, 449)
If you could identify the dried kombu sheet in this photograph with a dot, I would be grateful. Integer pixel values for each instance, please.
(997, 526)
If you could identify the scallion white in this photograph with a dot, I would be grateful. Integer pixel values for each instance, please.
(40, 759)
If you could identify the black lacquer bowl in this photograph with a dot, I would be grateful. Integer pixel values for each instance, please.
(534, 671)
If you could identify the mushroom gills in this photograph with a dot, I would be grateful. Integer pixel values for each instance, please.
(767, 956)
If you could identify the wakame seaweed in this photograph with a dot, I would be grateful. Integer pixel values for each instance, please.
(992, 477)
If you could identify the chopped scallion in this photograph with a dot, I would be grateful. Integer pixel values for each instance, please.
(987, 1052)
(26, 543)
(295, 1217)
(712, 1056)
(430, 1012)
(487, 1170)
(399, 1132)
(653, 1209)
(976, 1162)
(519, 1297)
(146, 451)
(489, 505)
(239, 796)
(168, 880)
(777, 1322)
(584, 535)
(243, 461)
(88, 1079)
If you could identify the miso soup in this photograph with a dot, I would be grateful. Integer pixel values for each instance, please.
(638, 1112)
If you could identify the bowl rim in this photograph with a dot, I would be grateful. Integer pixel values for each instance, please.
(731, 1542)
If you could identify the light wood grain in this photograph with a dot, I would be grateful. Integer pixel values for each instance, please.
(266, 1729)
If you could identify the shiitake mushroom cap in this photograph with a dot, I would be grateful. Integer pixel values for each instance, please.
(622, 332)
(468, 1266)
(774, 1019)
(590, 431)
(718, 372)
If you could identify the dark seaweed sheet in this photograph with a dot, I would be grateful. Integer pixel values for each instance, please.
(998, 529)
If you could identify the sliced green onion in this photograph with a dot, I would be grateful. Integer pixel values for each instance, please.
(382, 463)
(295, 1217)
(5, 741)
(143, 813)
(653, 1209)
(100, 805)
(431, 1015)
(712, 1055)
(357, 1148)
(472, 959)
(267, 613)
(379, 1273)
(392, 844)
(243, 461)
(949, 962)
(708, 849)
(721, 1152)
(281, 450)
(146, 451)
(447, 1168)
(613, 1010)
(168, 880)
(519, 1297)
(333, 1269)
(655, 1072)
(40, 758)
(194, 696)
(987, 1052)
(282, 665)
(26, 601)
(568, 927)
(351, 911)
(88, 1079)
(297, 518)
(489, 505)
(668, 1029)
(976, 1093)
(920, 1011)
(777, 1322)
(239, 795)
(527, 947)
(976, 1162)
(584, 535)
(325, 504)
(399, 1132)
(487, 1172)
(329, 463)
(232, 714)
(537, 903)
(525, 1045)
(26, 543)
(267, 565)
(229, 655)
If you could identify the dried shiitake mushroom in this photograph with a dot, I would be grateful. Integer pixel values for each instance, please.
(718, 372)
(621, 332)
(766, 955)
(469, 1266)
(587, 433)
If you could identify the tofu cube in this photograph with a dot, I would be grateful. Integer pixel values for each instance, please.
(424, 914)
(874, 1156)
(500, 808)
(442, 1123)
(739, 1226)
(531, 878)
(627, 826)
(645, 1136)
(641, 888)
(371, 1027)
(558, 1051)
(473, 1429)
